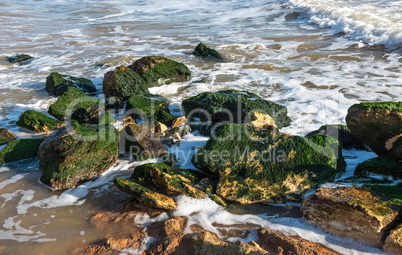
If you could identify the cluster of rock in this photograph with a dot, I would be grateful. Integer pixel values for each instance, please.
(246, 160)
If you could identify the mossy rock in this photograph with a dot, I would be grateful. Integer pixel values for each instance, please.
(38, 122)
(57, 84)
(72, 100)
(170, 159)
(146, 104)
(6, 136)
(19, 58)
(384, 166)
(123, 83)
(19, 149)
(158, 70)
(203, 51)
(379, 125)
(343, 134)
(94, 116)
(219, 200)
(261, 166)
(163, 116)
(239, 104)
(77, 153)
(145, 195)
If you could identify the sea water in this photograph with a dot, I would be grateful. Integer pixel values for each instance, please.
(315, 57)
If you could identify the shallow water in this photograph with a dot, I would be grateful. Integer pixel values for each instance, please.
(316, 57)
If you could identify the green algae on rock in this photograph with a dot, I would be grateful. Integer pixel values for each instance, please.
(19, 58)
(233, 106)
(19, 149)
(72, 100)
(393, 243)
(343, 134)
(383, 166)
(145, 195)
(261, 166)
(123, 83)
(38, 122)
(146, 104)
(94, 116)
(77, 153)
(203, 51)
(57, 84)
(379, 125)
(6, 136)
(157, 70)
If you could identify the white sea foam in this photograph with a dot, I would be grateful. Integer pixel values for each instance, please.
(13, 179)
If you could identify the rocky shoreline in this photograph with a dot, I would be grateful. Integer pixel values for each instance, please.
(247, 160)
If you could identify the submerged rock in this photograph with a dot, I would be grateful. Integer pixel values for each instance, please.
(203, 51)
(19, 58)
(343, 134)
(144, 195)
(6, 136)
(379, 125)
(158, 70)
(78, 153)
(141, 142)
(123, 83)
(57, 84)
(38, 122)
(352, 212)
(72, 100)
(19, 149)
(234, 107)
(393, 243)
(261, 166)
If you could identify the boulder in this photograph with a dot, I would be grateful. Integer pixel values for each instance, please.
(277, 243)
(343, 134)
(38, 122)
(6, 136)
(123, 83)
(179, 122)
(352, 212)
(158, 71)
(19, 149)
(381, 166)
(232, 106)
(256, 165)
(19, 58)
(72, 100)
(77, 153)
(144, 195)
(379, 125)
(94, 115)
(203, 51)
(163, 116)
(57, 84)
(146, 104)
(142, 143)
(393, 243)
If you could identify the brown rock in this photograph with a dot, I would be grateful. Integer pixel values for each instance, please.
(6, 136)
(174, 226)
(160, 128)
(393, 243)
(264, 121)
(277, 243)
(349, 212)
(179, 122)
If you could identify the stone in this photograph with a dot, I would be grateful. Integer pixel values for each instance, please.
(219, 200)
(145, 105)
(114, 103)
(160, 128)
(203, 51)
(174, 226)
(379, 125)
(141, 142)
(231, 106)
(256, 165)
(179, 122)
(77, 153)
(19, 58)
(57, 84)
(275, 242)
(19, 149)
(393, 243)
(38, 122)
(343, 134)
(6, 136)
(158, 70)
(145, 195)
(351, 212)
(260, 120)
(163, 116)
(380, 166)
(181, 131)
(72, 100)
(170, 159)
(123, 83)
(94, 115)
